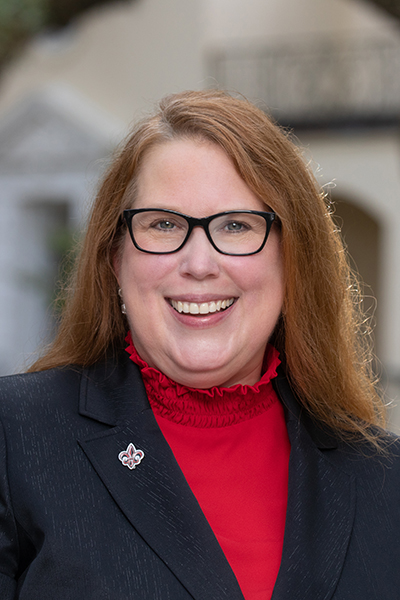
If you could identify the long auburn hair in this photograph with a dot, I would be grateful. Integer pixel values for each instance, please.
(319, 332)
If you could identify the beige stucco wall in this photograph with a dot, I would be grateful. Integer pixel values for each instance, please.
(234, 20)
(123, 57)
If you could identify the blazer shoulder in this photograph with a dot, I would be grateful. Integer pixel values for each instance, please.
(108, 391)
(374, 470)
(27, 392)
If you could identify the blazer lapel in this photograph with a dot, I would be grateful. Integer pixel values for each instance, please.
(153, 495)
(320, 512)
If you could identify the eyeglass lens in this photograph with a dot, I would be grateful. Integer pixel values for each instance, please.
(233, 233)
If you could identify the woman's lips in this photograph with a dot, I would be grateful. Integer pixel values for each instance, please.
(201, 308)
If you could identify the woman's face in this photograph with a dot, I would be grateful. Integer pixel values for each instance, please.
(221, 348)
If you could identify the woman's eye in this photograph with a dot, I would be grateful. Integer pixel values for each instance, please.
(165, 225)
(235, 226)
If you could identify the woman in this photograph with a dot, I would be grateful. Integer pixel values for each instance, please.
(230, 445)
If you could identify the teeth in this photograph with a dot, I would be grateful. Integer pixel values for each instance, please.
(194, 308)
(201, 309)
(204, 308)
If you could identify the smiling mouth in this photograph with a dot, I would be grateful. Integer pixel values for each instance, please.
(204, 308)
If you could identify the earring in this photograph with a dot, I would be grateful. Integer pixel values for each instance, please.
(123, 307)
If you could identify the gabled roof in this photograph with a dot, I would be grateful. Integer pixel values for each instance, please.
(55, 131)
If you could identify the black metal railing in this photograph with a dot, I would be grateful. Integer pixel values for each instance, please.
(316, 83)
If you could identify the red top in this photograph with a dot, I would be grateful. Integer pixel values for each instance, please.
(233, 448)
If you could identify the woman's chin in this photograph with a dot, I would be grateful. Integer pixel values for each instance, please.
(200, 380)
(207, 373)
(194, 371)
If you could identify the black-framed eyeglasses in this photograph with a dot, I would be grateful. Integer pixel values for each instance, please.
(234, 232)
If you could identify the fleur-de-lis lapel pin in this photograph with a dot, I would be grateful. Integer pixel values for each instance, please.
(131, 456)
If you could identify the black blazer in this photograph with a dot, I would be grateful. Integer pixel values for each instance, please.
(75, 523)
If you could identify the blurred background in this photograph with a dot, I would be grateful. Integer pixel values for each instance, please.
(75, 73)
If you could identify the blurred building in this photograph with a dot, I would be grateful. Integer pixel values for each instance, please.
(64, 105)
(327, 68)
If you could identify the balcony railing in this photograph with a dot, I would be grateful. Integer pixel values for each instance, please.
(318, 83)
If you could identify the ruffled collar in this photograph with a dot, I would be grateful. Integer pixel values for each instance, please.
(213, 407)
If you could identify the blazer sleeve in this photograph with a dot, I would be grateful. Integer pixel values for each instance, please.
(8, 530)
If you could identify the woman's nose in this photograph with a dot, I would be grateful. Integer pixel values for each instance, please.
(198, 257)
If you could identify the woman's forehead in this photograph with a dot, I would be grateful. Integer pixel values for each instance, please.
(185, 174)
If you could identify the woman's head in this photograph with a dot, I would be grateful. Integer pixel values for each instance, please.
(316, 327)
(268, 163)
